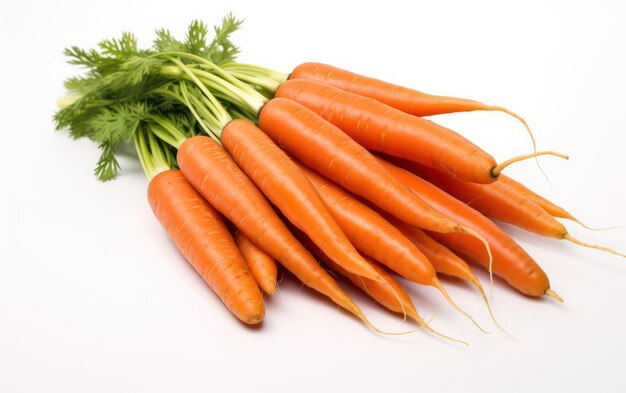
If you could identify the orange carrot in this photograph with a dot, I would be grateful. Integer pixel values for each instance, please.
(381, 128)
(510, 261)
(372, 235)
(402, 98)
(499, 201)
(551, 208)
(284, 184)
(201, 235)
(262, 266)
(325, 148)
(496, 200)
(210, 169)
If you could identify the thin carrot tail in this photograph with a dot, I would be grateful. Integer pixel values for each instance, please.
(445, 294)
(479, 286)
(484, 241)
(592, 228)
(594, 246)
(530, 133)
(496, 170)
(354, 309)
(426, 325)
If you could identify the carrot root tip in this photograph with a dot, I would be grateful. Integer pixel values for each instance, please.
(550, 293)
(595, 229)
(486, 300)
(594, 246)
(445, 294)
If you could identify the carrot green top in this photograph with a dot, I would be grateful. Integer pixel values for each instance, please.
(171, 91)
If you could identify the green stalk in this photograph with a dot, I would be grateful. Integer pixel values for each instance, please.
(255, 70)
(144, 154)
(217, 109)
(167, 132)
(158, 159)
(213, 131)
(266, 83)
(232, 89)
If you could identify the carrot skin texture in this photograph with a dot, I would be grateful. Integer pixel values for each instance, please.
(262, 266)
(402, 98)
(209, 168)
(510, 261)
(284, 184)
(552, 209)
(384, 129)
(495, 200)
(329, 151)
(371, 234)
(201, 235)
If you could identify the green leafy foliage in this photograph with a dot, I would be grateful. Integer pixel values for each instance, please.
(125, 87)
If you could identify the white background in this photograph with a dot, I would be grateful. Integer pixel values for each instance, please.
(95, 298)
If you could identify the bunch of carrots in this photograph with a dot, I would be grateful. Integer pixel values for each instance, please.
(318, 169)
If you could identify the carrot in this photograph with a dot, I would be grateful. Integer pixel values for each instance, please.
(374, 236)
(216, 176)
(550, 207)
(325, 148)
(496, 200)
(402, 98)
(509, 262)
(262, 266)
(284, 184)
(499, 201)
(381, 128)
(545, 204)
(201, 235)
(390, 294)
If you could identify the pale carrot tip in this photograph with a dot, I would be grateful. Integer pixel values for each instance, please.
(496, 170)
(379, 331)
(445, 294)
(426, 325)
(550, 293)
(592, 228)
(601, 248)
(493, 318)
(254, 319)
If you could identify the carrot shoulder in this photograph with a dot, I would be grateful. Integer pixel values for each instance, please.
(201, 235)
